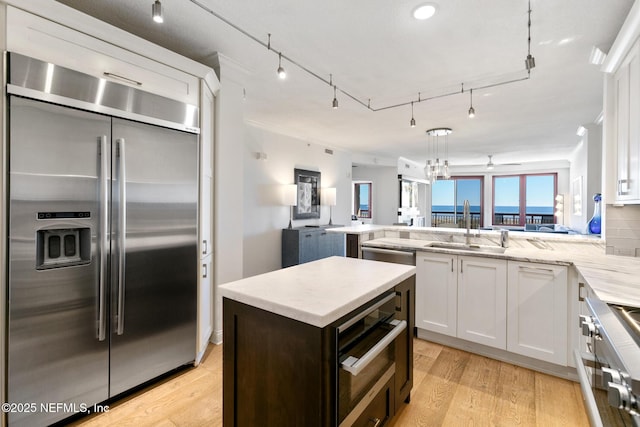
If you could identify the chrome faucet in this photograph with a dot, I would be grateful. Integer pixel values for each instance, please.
(466, 213)
(504, 238)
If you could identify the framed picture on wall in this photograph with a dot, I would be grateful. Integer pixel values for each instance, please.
(308, 183)
(576, 191)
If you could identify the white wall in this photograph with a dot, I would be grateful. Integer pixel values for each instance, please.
(384, 191)
(228, 182)
(585, 177)
(264, 214)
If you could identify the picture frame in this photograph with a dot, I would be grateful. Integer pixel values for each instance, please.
(308, 194)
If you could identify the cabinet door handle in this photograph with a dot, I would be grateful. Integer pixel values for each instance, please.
(206, 271)
(580, 289)
(461, 269)
(204, 243)
(123, 78)
(452, 265)
(535, 269)
(376, 421)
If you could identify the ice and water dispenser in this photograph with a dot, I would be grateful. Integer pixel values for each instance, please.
(62, 247)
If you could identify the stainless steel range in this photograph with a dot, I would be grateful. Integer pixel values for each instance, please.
(609, 369)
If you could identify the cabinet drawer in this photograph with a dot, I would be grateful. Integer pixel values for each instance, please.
(42, 39)
(381, 408)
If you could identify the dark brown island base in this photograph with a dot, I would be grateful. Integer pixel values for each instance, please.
(327, 343)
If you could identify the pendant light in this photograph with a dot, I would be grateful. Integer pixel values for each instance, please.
(412, 123)
(472, 111)
(156, 12)
(281, 72)
(434, 169)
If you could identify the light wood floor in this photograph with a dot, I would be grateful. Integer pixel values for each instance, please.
(451, 388)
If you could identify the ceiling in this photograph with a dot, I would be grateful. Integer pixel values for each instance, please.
(375, 50)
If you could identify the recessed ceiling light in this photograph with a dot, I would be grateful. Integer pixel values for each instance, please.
(424, 11)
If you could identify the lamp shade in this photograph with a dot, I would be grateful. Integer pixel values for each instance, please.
(329, 196)
(290, 195)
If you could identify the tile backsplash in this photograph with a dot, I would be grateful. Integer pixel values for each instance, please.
(623, 230)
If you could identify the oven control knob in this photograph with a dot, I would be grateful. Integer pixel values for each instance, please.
(610, 376)
(619, 396)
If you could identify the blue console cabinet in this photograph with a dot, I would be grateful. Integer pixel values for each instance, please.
(304, 244)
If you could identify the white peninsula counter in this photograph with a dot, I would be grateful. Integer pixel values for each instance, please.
(322, 344)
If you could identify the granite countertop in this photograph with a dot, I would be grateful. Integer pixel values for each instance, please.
(319, 292)
(614, 279)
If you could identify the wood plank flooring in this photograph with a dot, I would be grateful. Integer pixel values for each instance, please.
(451, 388)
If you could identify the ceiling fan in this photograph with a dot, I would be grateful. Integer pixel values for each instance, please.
(491, 165)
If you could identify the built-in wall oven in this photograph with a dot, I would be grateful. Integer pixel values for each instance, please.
(366, 357)
(609, 364)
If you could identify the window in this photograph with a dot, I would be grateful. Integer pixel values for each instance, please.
(362, 199)
(524, 199)
(447, 201)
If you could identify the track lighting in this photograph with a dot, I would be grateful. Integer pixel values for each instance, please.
(472, 111)
(529, 63)
(413, 121)
(156, 12)
(281, 72)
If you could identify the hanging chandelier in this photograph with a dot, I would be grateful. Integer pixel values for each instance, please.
(434, 169)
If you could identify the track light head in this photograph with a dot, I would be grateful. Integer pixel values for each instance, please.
(281, 72)
(412, 123)
(156, 12)
(530, 62)
(334, 104)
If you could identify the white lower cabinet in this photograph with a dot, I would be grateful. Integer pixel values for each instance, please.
(482, 298)
(462, 296)
(521, 307)
(437, 292)
(537, 311)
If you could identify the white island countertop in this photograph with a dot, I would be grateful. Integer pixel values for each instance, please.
(320, 292)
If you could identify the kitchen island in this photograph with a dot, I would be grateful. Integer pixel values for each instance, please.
(283, 336)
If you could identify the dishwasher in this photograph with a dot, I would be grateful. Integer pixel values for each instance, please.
(397, 256)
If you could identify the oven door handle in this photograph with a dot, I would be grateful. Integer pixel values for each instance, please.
(355, 365)
(587, 393)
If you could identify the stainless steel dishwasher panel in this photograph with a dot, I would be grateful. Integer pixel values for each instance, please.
(389, 255)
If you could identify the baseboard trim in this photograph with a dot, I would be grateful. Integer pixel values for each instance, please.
(565, 372)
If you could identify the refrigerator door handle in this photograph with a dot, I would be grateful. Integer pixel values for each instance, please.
(104, 236)
(122, 227)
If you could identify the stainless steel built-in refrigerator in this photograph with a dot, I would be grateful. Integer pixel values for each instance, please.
(102, 239)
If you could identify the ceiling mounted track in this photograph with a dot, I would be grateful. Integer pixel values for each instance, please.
(529, 64)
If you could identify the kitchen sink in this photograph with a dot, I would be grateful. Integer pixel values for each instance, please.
(465, 247)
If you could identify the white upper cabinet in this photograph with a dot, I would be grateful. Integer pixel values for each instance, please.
(48, 41)
(626, 88)
(621, 118)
